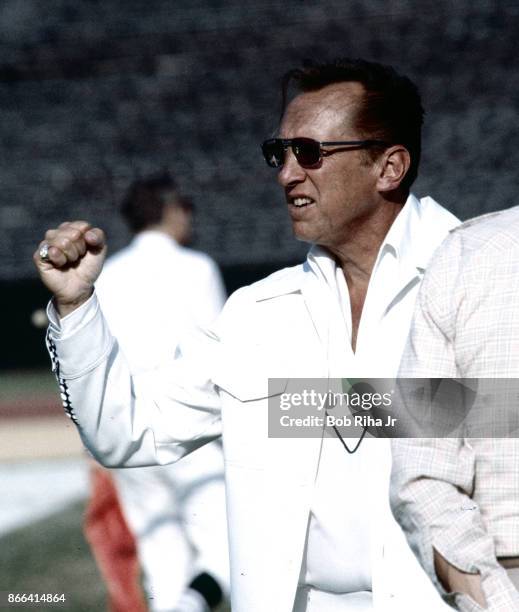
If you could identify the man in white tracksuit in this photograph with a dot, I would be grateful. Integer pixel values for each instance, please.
(153, 292)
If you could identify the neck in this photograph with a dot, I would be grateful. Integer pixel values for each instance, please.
(163, 228)
(356, 255)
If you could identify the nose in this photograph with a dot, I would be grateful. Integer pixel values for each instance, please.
(291, 173)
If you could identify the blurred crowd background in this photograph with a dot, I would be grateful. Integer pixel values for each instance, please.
(92, 93)
(95, 93)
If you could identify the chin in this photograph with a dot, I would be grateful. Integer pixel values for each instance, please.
(303, 234)
(304, 237)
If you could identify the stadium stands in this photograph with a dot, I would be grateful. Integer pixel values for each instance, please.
(93, 92)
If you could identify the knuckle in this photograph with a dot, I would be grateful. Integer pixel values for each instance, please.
(81, 225)
(64, 242)
(101, 237)
(75, 234)
(59, 257)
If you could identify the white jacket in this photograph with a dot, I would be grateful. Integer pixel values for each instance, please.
(270, 329)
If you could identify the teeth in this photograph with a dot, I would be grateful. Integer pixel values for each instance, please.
(301, 201)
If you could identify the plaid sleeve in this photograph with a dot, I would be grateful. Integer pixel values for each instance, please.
(433, 479)
(431, 489)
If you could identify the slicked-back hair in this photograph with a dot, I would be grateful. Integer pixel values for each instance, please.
(144, 202)
(391, 108)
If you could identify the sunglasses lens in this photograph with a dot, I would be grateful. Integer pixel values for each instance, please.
(274, 152)
(307, 151)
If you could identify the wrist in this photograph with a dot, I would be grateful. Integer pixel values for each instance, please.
(64, 306)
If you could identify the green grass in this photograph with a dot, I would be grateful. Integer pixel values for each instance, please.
(20, 383)
(51, 556)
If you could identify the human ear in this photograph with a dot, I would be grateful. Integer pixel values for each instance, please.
(393, 166)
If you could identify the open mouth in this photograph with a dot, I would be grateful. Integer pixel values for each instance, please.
(300, 202)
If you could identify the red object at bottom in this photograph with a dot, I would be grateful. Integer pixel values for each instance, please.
(113, 545)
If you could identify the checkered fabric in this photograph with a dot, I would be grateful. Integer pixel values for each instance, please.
(461, 496)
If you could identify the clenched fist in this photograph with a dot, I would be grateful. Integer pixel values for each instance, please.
(75, 256)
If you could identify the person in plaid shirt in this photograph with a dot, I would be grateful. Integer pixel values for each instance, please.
(457, 499)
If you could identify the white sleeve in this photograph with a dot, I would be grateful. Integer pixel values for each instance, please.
(119, 426)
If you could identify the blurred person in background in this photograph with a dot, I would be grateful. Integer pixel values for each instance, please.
(310, 526)
(152, 292)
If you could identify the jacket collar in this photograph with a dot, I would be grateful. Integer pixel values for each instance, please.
(418, 231)
(412, 239)
(288, 280)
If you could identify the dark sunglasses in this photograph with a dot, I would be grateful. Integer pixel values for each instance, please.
(309, 152)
